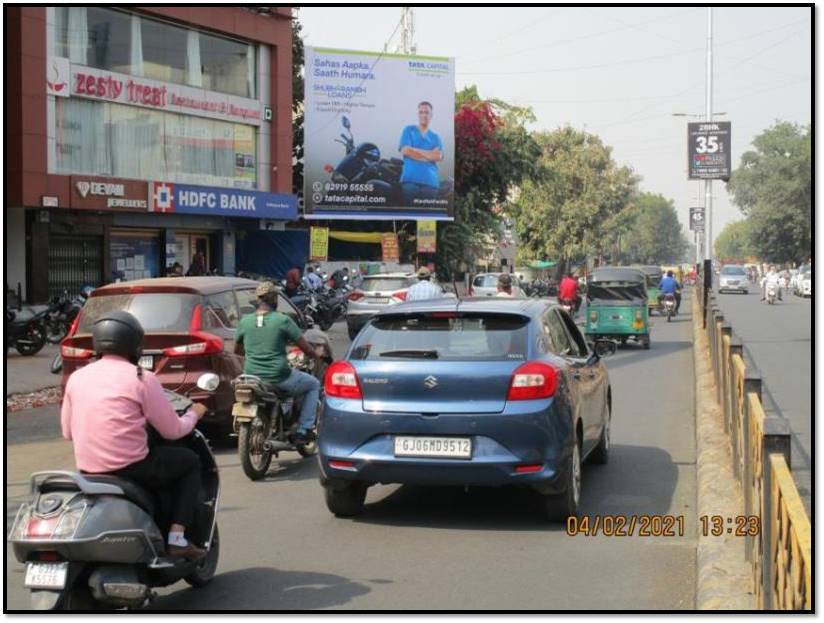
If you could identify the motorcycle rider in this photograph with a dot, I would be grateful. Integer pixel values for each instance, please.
(568, 291)
(313, 281)
(669, 285)
(106, 408)
(292, 282)
(424, 289)
(774, 278)
(261, 337)
(504, 285)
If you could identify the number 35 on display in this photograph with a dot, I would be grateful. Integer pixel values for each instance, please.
(706, 144)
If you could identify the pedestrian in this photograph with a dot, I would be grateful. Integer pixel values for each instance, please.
(424, 289)
(504, 285)
(198, 266)
(176, 270)
(292, 282)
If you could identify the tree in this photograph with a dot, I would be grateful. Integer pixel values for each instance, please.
(734, 241)
(297, 107)
(653, 231)
(493, 153)
(773, 188)
(562, 210)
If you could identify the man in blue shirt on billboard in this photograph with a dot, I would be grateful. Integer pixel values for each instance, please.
(422, 149)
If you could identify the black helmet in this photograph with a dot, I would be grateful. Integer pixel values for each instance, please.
(118, 333)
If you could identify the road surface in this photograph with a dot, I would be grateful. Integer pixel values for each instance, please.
(778, 341)
(421, 548)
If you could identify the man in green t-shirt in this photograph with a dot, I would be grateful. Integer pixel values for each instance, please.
(262, 338)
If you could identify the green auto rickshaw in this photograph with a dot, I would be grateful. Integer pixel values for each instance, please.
(653, 276)
(617, 305)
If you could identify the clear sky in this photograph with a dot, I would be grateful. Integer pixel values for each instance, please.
(619, 72)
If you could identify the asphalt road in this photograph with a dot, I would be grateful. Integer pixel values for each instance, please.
(778, 341)
(431, 548)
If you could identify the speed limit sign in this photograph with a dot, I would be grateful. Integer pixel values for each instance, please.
(697, 219)
(708, 150)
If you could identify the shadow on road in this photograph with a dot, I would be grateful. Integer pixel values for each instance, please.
(657, 349)
(265, 588)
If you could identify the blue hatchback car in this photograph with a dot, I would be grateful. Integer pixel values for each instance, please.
(480, 392)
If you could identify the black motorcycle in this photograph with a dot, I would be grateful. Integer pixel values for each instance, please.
(25, 331)
(77, 304)
(62, 312)
(363, 164)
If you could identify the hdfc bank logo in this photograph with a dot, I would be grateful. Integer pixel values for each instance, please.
(163, 198)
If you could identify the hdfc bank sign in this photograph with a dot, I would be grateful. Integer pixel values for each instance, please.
(65, 79)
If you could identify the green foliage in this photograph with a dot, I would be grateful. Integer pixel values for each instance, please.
(576, 196)
(734, 241)
(297, 107)
(773, 189)
(652, 232)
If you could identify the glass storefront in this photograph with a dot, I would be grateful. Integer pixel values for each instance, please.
(128, 43)
(103, 138)
(135, 254)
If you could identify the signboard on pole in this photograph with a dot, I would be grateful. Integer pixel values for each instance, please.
(389, 247)
(708, 150)
(379, 136)
(318, 244)
(427, 236)
(697, 219)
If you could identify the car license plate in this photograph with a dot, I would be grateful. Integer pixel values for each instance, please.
(616, 317)
(436, 447)
(379, 299)
(46, 574)
(147, 362)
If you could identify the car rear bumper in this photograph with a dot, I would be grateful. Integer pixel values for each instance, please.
(535, 434)
(741, 287)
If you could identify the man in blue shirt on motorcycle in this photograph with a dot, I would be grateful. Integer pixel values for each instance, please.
(669, 285)
(422, 149)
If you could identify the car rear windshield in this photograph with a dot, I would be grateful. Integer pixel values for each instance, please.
(486, 281)
(733, 270)
(384, 284)
(156, 311)
(451, 337)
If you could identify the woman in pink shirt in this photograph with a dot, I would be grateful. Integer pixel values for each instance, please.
(106, 408)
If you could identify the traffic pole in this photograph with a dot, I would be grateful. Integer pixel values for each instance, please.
(708, 250)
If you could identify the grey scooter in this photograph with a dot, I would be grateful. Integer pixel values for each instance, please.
(97, 541)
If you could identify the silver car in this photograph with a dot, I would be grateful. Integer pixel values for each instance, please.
(374, 293)
(486, 284)
(733, 278)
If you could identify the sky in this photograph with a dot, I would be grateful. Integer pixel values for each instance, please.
(619, 72)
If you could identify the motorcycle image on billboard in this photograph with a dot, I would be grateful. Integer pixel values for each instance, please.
(379, 136)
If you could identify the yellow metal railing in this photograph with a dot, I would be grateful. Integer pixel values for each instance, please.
(780, 548)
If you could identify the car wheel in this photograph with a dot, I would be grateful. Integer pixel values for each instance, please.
(560, 506)
(345, 500)
(600, 455)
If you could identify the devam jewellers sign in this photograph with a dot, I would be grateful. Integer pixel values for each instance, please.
(109, 86)
(108, 193)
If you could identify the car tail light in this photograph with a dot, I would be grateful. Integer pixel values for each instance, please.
(400, 295)
(532, 381)
(341, 381)
(355, 296)
(206, 344)
(342, 464)
(75, 324)
(74, 352)
(528, 469)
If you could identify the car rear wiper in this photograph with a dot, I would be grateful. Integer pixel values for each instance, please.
(412, 353)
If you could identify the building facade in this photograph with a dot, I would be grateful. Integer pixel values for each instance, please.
(139, 137)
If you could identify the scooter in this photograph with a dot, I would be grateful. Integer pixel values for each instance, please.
(265, 419)
(771, 293)
(668, 301)
(25, 331)
(97, 541)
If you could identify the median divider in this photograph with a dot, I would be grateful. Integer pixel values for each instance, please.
(777, 547)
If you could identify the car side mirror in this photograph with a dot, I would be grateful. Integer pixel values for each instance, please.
(605, 348)
(345, 122)
(208, 382)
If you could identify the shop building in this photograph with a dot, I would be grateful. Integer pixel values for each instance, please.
(138, 137)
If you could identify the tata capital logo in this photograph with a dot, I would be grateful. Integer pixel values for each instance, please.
(163, 199)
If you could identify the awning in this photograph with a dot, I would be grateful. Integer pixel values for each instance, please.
(357, 236)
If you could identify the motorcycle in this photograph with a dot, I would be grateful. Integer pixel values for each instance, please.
(62, 312)
(771, 292)
(668, 301)
(363, 164)
(265, 419)
(97, 541)
(77, 304)
(25, 330)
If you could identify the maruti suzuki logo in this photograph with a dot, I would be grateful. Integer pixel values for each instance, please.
(430, 382)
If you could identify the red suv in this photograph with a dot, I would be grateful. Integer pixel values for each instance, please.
(190, 326)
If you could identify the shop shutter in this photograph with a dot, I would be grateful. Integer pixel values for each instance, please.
(74, 262)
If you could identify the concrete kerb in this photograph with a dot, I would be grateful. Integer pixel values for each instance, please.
(723, 576)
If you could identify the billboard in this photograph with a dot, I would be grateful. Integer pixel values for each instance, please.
(708, 150)
(379, 140)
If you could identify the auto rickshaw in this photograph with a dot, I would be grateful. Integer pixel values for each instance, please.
(676, 272)
(617, 306)
(653, 276)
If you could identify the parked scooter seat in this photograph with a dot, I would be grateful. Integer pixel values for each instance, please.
(131, 490)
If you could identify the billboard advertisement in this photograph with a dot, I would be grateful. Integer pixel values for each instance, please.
(379, 136)
(427, 236)
(708, 150)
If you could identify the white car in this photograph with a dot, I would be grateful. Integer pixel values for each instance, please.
(804, 273)
(486, 284)
(805, 287)
(733, 278)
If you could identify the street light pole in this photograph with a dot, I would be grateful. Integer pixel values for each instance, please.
(708, 250)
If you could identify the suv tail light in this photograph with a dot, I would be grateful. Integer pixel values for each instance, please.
(342, 381)
(206, 344)
(355, 296)
(400, 295)
(532, 381)
(75, 324)
(73, 352)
